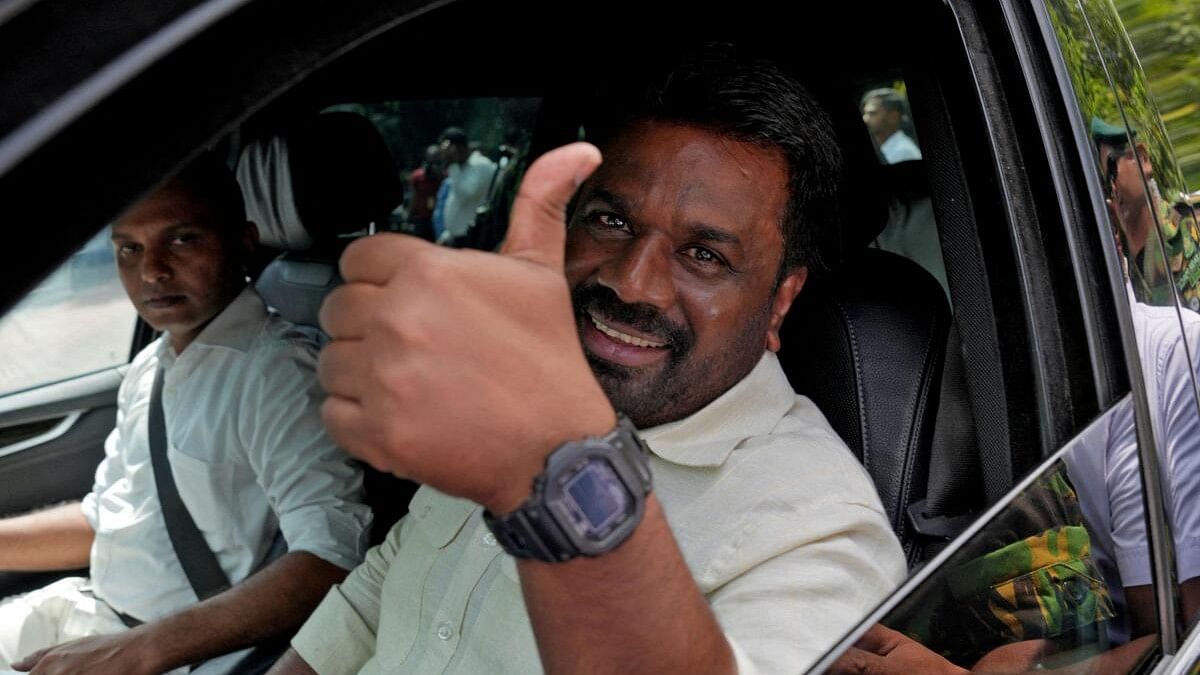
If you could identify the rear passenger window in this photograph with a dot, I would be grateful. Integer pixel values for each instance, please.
(459, 160)
(911, 229)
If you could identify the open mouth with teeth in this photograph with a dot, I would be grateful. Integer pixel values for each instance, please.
(623, 337)
(618, 344)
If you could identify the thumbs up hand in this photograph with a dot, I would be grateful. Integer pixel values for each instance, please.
(463, 369)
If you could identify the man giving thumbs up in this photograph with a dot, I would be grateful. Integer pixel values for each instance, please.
(617, 476)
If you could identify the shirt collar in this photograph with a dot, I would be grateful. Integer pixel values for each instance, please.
(235, 327)
(752, 407)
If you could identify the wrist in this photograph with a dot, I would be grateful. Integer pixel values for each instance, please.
(517, 485)
(587, 501)
(150, 651)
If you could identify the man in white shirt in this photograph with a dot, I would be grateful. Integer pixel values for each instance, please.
(761, 539)
(470, 176)
(884, 112)
(250, 459)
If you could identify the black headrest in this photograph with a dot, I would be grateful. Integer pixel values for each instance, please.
(343, 174)
(867, 345)
(330, 174)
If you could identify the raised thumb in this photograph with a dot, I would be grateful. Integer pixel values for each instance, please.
(537, 226)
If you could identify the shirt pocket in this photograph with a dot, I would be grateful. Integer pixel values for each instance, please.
(206, 489)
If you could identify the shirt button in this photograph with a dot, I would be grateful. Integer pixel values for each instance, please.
(445, 631)
(489, 539)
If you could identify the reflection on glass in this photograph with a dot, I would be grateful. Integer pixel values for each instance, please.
(460, 160)
(1153, 217)
(911, 229)
(885, 112)
(1058, 580)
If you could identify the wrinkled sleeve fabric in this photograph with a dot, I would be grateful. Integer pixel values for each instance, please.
(1179, 413)
(339, 637)
(791, 548)
(313, 486)
(112, 467)
(790, 608)
(1123, 481)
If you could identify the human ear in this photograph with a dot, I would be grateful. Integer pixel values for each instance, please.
(785, 293)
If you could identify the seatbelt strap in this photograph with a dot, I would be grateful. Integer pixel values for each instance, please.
(199, 563)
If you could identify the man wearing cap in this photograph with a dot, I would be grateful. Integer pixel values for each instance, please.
(1123, 169)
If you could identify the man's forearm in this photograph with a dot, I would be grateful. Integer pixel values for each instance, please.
(57, 538)
(273, 602)
(633, 610)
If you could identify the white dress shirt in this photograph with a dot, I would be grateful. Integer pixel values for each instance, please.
(778, 522)
(470, 184)
(249, 455)
(899, 147)
(1104, 466)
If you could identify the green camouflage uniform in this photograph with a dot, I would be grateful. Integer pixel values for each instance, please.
(1029, 574)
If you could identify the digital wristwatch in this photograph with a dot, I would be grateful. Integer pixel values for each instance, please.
(587, 501)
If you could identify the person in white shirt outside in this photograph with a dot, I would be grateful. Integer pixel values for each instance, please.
(761, 539)
(470, 175)
(885, 113)
(251, 461)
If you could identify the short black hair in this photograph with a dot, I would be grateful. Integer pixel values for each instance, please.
(455, 135)
(749, 100)
(888, 98)
(210, 180)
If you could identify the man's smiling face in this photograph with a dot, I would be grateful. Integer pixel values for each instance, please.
(673, 254)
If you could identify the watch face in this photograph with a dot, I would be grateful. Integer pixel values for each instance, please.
(595, 499)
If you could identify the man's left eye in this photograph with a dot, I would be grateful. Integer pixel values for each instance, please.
(704, 255)
(612, 221)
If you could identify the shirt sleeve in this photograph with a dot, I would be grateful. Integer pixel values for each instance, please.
(808, 591)
(313, 486)
(1182, 458)
(340, 635)
(473, 183)
(112, 467)
(1123, 481)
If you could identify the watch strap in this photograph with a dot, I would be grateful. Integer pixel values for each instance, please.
(531, 532)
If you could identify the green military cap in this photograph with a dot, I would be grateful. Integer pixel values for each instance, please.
(1103, 132)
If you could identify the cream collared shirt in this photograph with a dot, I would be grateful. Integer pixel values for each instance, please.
(249, 455)
(779, 524)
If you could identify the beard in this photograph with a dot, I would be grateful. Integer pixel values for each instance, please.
(686, 381)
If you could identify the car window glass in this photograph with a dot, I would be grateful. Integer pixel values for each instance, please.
(1166, 36)
(1167, 42)
(77, 321)
(460, 160)
(1143, 187)
(1057, 577)
(911, 230)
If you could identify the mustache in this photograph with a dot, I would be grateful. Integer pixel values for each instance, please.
(604, 303)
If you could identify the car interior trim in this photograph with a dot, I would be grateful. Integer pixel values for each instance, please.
(53, 434)
(41, 128)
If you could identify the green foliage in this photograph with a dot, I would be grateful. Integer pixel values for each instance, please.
(1166, 36)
